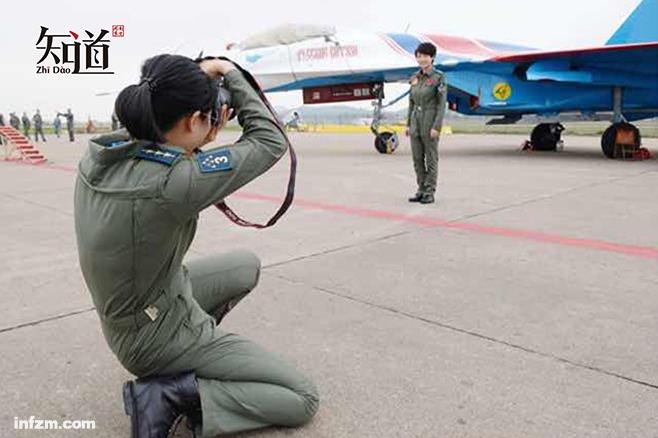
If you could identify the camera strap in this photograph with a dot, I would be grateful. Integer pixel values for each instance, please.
(290, 193)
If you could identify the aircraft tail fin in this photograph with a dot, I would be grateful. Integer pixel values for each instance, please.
(639, 27)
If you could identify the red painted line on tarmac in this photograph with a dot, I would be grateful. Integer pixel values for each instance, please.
(61, 167)
(600, 245)
(427, 221)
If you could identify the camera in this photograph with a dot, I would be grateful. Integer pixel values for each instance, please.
(223, 98)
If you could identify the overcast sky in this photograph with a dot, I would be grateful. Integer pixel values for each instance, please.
(186, 27)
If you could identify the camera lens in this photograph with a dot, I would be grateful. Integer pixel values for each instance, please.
(223, 98)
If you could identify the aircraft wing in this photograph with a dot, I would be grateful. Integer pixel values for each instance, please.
(634, 65)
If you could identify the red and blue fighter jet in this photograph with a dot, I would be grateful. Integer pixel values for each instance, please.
(616, 82)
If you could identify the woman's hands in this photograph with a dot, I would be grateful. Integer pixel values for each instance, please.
(434, 134)
(216, 67)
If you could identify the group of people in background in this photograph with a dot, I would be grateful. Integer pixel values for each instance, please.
(37, 122)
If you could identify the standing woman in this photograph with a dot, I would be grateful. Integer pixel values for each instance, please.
(427, 101)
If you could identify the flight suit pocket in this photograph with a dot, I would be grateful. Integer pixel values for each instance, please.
(196, 320)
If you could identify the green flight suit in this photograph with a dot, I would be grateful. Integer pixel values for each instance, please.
(38, 127)
(70, 126)
(427, 101)
(136, 212)
(26, 126)
(15, 122)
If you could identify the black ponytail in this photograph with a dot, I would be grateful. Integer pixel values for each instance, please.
(171, 87)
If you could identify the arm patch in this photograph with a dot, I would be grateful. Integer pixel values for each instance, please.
(214, 161)
(442, 86)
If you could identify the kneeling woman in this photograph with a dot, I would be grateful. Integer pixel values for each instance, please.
(137, 201)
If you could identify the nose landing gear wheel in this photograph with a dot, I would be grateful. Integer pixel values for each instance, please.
(386, 142)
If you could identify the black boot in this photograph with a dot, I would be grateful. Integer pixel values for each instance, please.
(416, 198)
(427, 198)
(155, 403)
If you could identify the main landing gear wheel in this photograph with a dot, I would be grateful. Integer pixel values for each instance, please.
(620, 140)
(386, 142)
(546, 136)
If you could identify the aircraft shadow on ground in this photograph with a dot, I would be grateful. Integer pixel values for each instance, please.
(574, 154)
(499, 151)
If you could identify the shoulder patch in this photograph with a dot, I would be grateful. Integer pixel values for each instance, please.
(117, 144)
(162, 156)
(214, 161)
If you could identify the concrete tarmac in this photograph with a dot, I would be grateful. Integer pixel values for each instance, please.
(522, 304)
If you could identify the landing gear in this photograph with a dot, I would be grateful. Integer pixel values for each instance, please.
(386, 142)
(546, 136)
(621, 140)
